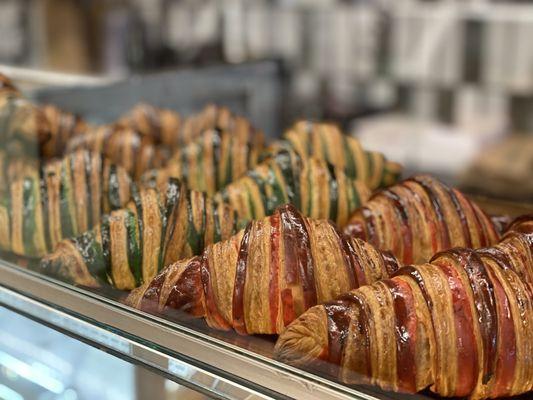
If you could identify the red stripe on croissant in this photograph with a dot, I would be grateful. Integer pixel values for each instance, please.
(460, 324)
(264, 277)
(420, 217)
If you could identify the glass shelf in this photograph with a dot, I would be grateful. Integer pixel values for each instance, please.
(207, 363)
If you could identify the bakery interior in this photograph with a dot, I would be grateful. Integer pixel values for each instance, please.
(148, 150)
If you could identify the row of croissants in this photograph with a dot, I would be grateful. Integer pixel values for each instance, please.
(406, 284)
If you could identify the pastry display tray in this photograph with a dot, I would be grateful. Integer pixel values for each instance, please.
(221, 364)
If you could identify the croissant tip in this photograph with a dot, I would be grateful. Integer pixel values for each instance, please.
(134, 297)
(305, 340)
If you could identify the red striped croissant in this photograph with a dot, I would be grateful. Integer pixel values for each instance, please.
(461, 324)
(265, 276)
(420, 217)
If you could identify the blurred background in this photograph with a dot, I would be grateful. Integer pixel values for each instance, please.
(442, 86)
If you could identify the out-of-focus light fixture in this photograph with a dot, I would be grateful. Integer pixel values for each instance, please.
(9, 394)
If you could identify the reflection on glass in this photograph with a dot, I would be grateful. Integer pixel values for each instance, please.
(37, 362)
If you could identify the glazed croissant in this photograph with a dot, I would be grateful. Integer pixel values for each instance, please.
(314, 187)
(265, 276)
(460, 324)
(420, 217)
(133, 243)
(215, 159)
(65, 198)
(326, 142)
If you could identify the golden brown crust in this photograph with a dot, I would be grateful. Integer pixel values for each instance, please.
(304, 342)
(420, 217)
(265, 276)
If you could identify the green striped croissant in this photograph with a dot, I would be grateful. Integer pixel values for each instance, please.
(217, 158)
(313, 186)
(64, 199)
(170, 129)
(133, 243)
(123, 146)
(62, 127)
(327, 142)
(161, 126)
(22, 128)
(207, 160)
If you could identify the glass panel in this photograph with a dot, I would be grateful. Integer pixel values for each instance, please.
(37, 362)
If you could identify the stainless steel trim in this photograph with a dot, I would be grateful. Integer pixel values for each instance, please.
(166, 346)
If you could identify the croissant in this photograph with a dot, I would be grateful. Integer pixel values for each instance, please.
(168, 128)
(123, 146)
(162, 126)
(37, 132)
(326, 142)
(211, 117)
(215, 159)
(62, 127)
(317, 189)
(460, 324)
(64, 199)
(262, 278)
(23, 127)
(420, 217)
(6, 85)
(133, 243)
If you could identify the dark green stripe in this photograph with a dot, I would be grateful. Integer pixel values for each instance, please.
(93, 255)
(219, 180)
(173, 195)
(65, 196)
(139, 207)
(106, 246)
(28, 213)
(44, 207)
(114, 188)
(217, 237)
(193, 236)
(351, 168)
(134, 251)
(88, 188)
(333, 193)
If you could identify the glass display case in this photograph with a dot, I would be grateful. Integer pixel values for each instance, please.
(139, 352)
